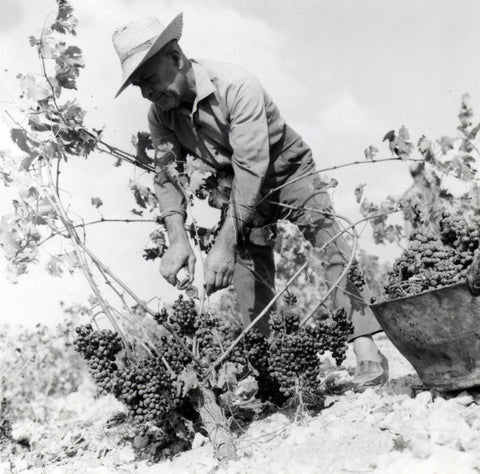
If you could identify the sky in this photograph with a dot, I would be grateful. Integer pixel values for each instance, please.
(343, 73)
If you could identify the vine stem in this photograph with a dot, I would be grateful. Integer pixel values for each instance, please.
(336, 284)
(98, 221)
(56, 202)
(336, 167)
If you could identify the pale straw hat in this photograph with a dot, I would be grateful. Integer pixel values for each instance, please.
(138, 41)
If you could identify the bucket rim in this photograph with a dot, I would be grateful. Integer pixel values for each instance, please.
(404, 298)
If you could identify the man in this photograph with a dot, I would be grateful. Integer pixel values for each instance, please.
(221, 114)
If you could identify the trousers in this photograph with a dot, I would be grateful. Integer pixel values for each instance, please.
(306, 203)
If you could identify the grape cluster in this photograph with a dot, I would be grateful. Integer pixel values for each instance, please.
(435, 260)
(99, 349)
(293, 353)
(356, 276)
(173, 354)
(204, 334)
(184, 316)
(333, 334)
(293, 362)
(285, 321)
(147, 390)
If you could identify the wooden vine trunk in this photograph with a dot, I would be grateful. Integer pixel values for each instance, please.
(473, 275)
(215, 422)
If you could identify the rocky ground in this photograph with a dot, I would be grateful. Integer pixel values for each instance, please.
(397, 428)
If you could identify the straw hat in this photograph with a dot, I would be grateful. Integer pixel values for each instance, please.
(138, 41)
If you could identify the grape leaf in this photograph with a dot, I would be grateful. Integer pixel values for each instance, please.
(462, 169)
(8, 236)
(189, 380)
(227, 375)
(36, 87)
(142, 143)
(403, 147)
(399, 144)
(263, 236)
(158, 237)
(370, 152)
(143, 195)
(96, 201)
(446, 144)
(65, 21)
(54, 266)
(197, 171)
(390, 136)
(425, 147)
(322, 183)
(68, 64)
(466, 113)
(358, 192)
(473, 133)
(20, 138)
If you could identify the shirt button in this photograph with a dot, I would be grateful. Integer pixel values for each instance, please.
(216, 153)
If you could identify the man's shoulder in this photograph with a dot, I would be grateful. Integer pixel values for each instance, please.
(224, 72)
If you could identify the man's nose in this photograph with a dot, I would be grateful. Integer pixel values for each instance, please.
(147, 91)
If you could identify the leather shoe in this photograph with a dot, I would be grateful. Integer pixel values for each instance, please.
(370, 373)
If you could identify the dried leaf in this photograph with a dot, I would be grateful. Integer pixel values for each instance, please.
(189, 380)
(227, 375)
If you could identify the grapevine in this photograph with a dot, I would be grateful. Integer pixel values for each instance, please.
(164, 386)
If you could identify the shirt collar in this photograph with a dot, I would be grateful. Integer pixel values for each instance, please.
(203, 83)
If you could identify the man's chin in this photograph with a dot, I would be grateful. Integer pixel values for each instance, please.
(165, 105)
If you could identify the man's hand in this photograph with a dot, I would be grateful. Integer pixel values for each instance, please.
(219, 266)
(179, 253)
(177, 256)
(220, 261)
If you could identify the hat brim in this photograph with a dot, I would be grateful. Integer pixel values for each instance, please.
(130, 66)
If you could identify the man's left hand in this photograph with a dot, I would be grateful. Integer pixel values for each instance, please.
(219, 266)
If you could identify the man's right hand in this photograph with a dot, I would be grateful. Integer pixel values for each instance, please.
(177, 256)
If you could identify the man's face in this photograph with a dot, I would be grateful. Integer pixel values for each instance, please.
(160, 81)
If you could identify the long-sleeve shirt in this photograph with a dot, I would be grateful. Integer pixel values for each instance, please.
(233, 125)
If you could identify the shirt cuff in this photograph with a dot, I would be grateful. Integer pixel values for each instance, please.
(169, 212)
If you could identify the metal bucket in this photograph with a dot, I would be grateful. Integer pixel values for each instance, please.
(438, 332)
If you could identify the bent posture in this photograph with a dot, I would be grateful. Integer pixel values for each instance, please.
(221, 114)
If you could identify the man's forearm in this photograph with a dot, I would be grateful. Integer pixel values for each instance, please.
(228, 234)
(175, 224)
